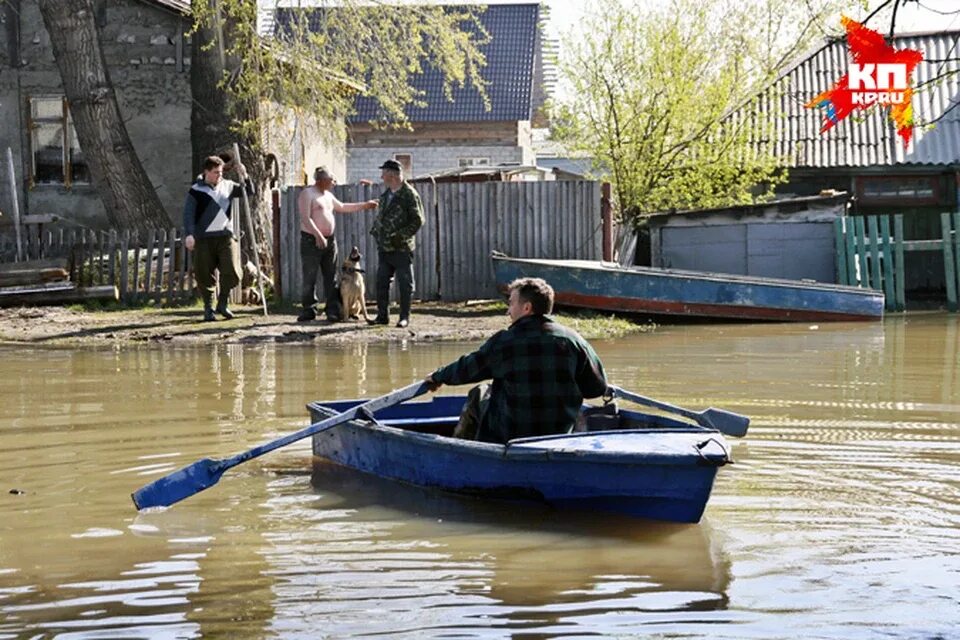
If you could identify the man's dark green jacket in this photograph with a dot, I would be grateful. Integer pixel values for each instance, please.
(541, 373)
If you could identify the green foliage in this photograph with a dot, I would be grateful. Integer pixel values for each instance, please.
(373, 48)
(664, 99)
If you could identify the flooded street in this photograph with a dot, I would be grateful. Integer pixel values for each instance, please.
(840, 518)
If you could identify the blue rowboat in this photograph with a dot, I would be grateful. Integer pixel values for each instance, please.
(631, 463)
(610, 287)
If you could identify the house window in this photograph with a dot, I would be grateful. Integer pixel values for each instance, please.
(917, 189)
(406, 162)
(56, 155)
(474, 162)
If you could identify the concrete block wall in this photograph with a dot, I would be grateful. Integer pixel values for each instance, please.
(148, 59)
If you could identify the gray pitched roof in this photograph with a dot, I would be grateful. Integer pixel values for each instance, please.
(511, 55)
(871, 140)
(180, 6)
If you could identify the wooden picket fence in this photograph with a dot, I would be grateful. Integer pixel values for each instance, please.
(870, 253)
(151, 267)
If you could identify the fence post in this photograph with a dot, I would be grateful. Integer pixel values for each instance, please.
(948, 262)
(874, 253)
(901, 270)
(839, 251)
(606, 211)
(956, 248)
(888, 288)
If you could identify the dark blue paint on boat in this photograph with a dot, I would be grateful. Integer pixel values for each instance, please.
(655, 467)
(610, 287)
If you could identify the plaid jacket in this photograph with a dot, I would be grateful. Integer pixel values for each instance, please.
(541, 373)
(398, 220)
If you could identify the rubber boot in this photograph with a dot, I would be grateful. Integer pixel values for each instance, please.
(208, 310)
(222, 306)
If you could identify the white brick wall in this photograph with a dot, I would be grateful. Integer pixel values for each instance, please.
(363, 162)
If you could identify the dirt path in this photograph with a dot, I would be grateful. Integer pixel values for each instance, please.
(73, 326)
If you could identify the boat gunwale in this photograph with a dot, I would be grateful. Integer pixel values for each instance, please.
(712, 276)
(520, 448)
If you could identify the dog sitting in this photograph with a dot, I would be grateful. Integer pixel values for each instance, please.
(352, 289)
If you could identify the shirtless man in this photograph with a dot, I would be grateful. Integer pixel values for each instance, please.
(318, 247)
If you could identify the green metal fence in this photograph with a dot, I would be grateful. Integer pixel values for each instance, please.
(870, 253)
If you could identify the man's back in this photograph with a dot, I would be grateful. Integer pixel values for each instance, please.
(541, 372)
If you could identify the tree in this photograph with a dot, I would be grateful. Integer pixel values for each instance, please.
(663, 99)
(128, 196)
(314, 69)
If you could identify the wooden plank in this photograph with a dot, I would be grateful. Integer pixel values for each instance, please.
(181, 261)
(859, 226)
(112, 258)
(839, 251)
(69, 294)
(948, 262)
(125, 265)
(74, 256)
(901, 269)
(35, 265)
(92, 257)
(888, 287)
(188, 271)
(158, 280)
(851, 251)
(171, 264)
(956, 249)
(13, 278)
(147, 262)
(923, 245)
(874, 228)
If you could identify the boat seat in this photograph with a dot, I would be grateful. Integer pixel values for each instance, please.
(604, 418)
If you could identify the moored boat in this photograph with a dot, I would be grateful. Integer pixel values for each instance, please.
(627, 462)
(610, 287)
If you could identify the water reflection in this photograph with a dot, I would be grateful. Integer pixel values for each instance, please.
(841, 513)
(464, 563)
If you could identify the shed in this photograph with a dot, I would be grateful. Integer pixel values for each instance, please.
(791, 238)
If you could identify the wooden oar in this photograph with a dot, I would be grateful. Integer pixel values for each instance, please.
(205, 473)
(732, 424)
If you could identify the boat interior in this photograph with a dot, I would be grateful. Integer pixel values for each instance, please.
(440, 416)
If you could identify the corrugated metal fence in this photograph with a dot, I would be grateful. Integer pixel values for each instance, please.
(464, 223)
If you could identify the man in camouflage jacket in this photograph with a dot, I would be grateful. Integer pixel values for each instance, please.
(399, 218)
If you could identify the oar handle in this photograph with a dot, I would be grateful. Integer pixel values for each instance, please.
(400, 395)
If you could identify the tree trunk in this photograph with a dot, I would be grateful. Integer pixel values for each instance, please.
(122, 183)
(211, 117)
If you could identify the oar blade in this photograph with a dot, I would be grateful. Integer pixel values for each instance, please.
(179, 485)
(732, 424)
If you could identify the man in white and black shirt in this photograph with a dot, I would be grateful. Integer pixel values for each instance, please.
(208, 225)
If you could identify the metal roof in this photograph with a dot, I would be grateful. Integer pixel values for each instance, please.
(180, 6)
(511, 55)
(870, 140)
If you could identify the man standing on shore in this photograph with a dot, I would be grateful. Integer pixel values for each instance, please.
(399, 219)
(318, 246)
(208, 225)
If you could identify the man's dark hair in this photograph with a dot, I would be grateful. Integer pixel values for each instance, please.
(536, 291)
(212, 162)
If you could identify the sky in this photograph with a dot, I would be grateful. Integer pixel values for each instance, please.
(925, 15)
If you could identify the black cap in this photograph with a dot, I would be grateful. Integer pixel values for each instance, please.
(392, 165)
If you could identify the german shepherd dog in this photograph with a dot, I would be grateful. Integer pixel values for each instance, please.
(352, 289)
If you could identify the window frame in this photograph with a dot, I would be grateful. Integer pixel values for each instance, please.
(935, 181)
(65, 121)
